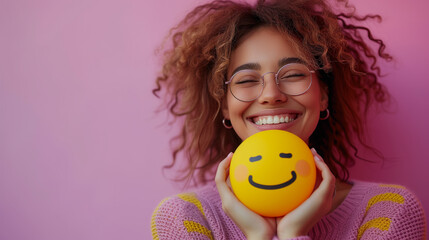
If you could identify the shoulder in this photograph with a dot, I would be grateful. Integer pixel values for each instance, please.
(398, 196)
(183, 216)
(391, 210)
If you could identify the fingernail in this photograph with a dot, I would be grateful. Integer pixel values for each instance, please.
(313, 150)
(317, 158)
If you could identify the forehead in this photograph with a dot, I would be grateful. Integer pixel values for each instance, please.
(264, 46)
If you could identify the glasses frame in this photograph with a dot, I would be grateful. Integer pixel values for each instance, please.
(276, 80)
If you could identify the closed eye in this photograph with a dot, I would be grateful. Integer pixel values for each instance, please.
(247, 81)
(293, 78)
(293, 75)
(256, 158)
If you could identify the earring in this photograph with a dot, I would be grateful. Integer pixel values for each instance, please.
(327, 115)
(226, 123)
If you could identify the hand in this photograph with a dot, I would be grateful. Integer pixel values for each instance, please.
(300, 221)
(251, 224)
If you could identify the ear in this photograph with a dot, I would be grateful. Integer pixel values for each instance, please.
(225, 111)
(324, 99)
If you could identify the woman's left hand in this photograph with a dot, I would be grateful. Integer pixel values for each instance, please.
(300, 221)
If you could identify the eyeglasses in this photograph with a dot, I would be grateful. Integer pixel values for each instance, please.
(292, 79)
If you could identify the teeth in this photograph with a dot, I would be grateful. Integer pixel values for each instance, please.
(274, 119)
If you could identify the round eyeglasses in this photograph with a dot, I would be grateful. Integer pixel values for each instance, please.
(292, 79)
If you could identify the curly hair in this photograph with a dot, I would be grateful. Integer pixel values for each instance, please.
(195, 66)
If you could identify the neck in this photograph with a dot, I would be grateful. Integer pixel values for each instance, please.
(342, 189)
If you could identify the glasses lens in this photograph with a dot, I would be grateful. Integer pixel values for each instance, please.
(294, 79)
(246, 85)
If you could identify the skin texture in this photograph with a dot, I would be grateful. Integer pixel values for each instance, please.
(265, 47)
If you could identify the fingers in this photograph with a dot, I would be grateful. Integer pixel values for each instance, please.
(327, 184)
(221, 177)
(222, 169)
(251, 224)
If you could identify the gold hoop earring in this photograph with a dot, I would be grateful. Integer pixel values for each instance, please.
(226, 123)
(326, 115)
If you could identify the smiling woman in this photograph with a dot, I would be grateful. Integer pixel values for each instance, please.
(237, 69)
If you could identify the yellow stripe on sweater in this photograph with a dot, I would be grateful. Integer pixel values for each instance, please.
(385, 197)
(381, 223)
(392, 186)
(190, 197)
(153, 223)
(192, 226)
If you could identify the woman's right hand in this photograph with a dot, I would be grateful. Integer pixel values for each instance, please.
(251, 224)
(300, 221)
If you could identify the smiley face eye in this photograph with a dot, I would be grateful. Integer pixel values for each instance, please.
(286, 155)
(256, 158)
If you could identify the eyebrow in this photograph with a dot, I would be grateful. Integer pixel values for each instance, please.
(286, 60)
(250, 66)
(257, 66)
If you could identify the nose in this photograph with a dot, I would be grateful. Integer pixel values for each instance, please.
(271, 94)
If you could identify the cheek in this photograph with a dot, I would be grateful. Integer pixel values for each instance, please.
(312, 99)
(236, 108)
(310, 102)
(302, 168)
(241, 172)
(236, 112)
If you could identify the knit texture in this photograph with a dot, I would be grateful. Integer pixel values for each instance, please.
(370, 211)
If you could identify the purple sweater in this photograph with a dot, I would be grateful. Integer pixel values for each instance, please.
(370, 211)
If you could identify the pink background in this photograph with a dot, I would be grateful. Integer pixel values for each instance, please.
(81, 148)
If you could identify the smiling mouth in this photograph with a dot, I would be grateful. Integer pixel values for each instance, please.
(275, 119)
(273, 187)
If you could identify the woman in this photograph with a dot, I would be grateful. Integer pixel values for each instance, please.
(206, 80)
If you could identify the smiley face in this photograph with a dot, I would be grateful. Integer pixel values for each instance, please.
(272, 172)
(272, 187)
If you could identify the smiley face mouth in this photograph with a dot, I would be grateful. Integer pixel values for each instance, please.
(273, 187)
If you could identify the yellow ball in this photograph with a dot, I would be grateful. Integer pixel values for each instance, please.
(272, 172)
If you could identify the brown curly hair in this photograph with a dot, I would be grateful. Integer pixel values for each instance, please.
(195, 66)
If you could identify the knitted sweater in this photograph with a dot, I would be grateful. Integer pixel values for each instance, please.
(370, 211)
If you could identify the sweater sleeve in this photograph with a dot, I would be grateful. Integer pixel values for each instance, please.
(393, 212)
(180, 217)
